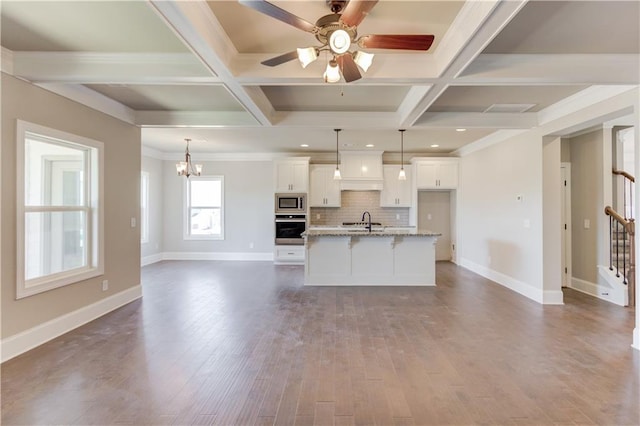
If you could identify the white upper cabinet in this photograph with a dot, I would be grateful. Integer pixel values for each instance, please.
(324, 190)
(395, 192)
(436, 174)
(292, 175)
(361, 165)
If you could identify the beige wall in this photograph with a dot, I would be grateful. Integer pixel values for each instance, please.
(23, 101)
(586, 172)
(154, 167)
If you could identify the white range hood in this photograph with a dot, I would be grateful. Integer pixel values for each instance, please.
(361, 171)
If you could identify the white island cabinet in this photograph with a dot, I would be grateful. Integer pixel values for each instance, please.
(390, 257)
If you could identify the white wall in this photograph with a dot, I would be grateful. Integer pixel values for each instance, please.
(248, 212)
(501, 237)
(493, 238)
(151, 250)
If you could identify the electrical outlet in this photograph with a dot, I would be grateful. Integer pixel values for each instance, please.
(133, 222)
(527, 223)
(105, 285)
(250, 245)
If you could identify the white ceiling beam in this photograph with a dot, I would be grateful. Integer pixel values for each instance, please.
(110, 68)
(478, 120)
(194, 119)
(195, 23)
(92, 99)
(474, 28)
(527, 69)
(332, 120)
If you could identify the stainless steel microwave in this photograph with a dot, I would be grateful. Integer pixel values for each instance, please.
(291, 203)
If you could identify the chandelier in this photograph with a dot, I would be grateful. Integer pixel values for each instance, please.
(186, 167)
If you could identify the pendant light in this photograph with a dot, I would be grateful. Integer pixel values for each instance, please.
(402, 175)
(336, 173)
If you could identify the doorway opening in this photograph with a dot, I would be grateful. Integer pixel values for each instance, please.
(434, 214)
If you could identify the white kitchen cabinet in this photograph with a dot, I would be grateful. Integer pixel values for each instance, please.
(361, 165)
(395, 192)
(289, 255)
(324, 190)
(436, 174)
(292, 175)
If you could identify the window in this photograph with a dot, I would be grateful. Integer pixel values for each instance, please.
(144, 207)
(204, 214)
(59, 209)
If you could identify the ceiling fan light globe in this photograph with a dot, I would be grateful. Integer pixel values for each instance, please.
(307, 56)
(363, 59)
(332, 73)
(339, 42)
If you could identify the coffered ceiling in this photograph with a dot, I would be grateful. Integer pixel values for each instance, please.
(191, 69)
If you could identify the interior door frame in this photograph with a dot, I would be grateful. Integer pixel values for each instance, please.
(565, 190)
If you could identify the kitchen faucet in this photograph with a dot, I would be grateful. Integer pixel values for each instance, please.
(369, 224)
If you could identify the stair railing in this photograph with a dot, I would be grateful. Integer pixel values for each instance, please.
(627, 190)
(627, 227)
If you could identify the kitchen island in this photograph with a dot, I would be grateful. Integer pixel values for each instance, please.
(380, 257)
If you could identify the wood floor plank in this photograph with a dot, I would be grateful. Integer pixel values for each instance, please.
(243, 343)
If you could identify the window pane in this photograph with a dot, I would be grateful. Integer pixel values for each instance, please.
(55, 242)
(206, 193)
(205, 222)
(53, 174)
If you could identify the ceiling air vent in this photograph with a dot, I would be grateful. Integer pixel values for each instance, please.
(509, 107)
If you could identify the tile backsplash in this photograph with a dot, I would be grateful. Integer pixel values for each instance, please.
(353, 204)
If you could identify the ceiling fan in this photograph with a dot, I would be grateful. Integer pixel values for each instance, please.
(337, 32)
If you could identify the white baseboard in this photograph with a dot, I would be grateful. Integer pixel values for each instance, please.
(600, 290)
(17, 344)
(148, 260)
(527, 290)
(636, 338)
(217, 256)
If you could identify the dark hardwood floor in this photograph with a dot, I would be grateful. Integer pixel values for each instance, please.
(242, 343)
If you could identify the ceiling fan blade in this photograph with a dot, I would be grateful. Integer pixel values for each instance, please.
(274, 11)
(356, 11)
(396, 41)
(290, 56)
(350, 70)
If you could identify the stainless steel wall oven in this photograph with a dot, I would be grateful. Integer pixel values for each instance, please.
(289, 228)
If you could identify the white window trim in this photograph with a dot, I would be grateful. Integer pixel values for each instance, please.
(185, 210)
(144, 216)
(95, 239)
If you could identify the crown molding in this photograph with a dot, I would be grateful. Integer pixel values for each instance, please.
(111, 68)
(6, 61)
(152, 153)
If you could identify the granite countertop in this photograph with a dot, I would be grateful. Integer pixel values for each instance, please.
(386, 232)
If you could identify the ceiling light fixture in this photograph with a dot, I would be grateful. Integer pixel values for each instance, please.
(339, 42)
(307, 55)
(336, 173)
(461, 130)
(369, 145)
(186, 168)
(435, 145)
(402, 175)
(363, 59)
(338, 34)
(304, 145)
(332, 73)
